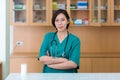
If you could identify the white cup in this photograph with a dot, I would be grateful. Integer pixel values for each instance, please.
(23, 70)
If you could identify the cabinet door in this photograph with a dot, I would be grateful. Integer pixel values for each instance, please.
(106, 65)
(33, 65)
(39, 12)
(115, 11)
(57, 4)
(0, 71)
(85, 65)
(19, 12)
(95, 12)
(79, 12)
(105, 12)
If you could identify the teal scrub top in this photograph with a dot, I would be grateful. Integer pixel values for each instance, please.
(56, 49)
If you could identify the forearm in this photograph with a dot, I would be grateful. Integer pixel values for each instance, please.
(50, 60)
(64, 65)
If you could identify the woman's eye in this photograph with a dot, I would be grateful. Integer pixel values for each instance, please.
(59, 20)
(56, 20)
(63, 19)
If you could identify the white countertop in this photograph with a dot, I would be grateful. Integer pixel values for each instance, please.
(64, 76)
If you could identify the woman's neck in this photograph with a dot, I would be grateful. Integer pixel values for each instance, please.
(65, 32)
(62, 35)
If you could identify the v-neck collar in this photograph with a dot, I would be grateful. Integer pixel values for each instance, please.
(62, 40)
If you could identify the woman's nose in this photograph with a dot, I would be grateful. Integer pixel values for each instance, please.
(59, 22)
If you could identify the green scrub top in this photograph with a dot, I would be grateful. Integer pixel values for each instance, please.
(55, 48)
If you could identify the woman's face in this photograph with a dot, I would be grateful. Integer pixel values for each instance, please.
(61, 22)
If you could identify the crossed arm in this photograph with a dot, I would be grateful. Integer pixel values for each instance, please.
(57, 63)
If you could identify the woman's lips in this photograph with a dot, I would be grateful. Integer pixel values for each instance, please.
(60, 27)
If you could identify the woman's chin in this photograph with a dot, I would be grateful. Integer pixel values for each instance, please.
(60, 29)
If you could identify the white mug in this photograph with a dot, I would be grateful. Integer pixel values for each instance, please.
(23, 70)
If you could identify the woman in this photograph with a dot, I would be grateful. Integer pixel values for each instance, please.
(60, 50)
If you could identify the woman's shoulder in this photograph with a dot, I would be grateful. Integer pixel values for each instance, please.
(49, 34)
(74, 37)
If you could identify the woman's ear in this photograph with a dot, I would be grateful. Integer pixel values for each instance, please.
(68, 21)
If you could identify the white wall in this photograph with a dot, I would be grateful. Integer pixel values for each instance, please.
(2, 29)
(4, 38)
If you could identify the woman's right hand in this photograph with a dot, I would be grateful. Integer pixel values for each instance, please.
(48, 54)
(62, 59)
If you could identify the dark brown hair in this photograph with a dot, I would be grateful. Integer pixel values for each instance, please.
(56, 13)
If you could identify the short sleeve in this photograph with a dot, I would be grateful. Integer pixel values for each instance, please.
(75, 52)
(44, 45)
